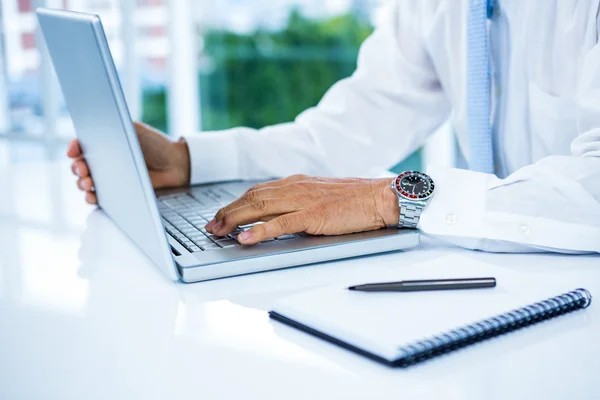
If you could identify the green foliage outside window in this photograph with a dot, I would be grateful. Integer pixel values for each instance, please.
(265, 78)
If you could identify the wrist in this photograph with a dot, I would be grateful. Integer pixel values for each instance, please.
(181, 159)
(386, 203)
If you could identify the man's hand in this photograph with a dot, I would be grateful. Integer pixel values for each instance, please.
(168, 162)
(317, 206)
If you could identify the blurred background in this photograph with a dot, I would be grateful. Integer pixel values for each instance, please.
(190, 66)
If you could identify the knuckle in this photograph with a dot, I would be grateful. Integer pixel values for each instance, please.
(220, 214)
(299, 177)
(249, 196)
(259, 206)
(227, 219)
(284, 224)
(254, 188)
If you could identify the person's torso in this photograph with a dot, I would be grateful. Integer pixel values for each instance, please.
(538, 50)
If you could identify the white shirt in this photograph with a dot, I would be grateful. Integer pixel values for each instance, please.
(411, 77)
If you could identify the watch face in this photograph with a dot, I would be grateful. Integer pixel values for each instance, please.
(414, 185)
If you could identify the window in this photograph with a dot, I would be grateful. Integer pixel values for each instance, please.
(33, 114)
(267, 64)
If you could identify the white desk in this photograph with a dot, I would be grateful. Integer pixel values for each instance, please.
(84, 315)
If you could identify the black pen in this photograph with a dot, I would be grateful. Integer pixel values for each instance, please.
(431, 284)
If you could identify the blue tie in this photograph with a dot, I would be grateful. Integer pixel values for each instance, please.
(478, 87)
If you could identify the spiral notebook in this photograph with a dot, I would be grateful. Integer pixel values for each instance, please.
(401, 329)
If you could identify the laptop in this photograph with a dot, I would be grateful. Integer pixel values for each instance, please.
(168, 225)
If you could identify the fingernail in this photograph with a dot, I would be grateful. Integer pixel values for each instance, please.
(77, 171)
(245, 236)
(211, 223)
(217, 226)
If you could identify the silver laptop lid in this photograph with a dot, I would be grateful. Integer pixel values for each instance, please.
(95, 100)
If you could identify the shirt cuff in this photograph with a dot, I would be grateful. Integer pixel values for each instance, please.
(214, 157)
(458, 210)
(458, 204)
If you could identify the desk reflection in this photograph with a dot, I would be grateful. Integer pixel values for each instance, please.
(130, 294)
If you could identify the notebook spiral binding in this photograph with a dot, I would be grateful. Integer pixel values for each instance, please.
(495, 326)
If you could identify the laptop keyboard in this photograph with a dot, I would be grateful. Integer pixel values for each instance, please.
(185, 215)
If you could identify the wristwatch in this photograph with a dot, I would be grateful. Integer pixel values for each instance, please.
(414, 190)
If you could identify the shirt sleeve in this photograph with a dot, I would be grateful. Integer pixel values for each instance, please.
(363, 125)
(551, 205)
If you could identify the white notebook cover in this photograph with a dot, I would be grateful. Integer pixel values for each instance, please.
(380, 324)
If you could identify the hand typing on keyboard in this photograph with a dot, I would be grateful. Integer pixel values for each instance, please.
(318, 206)
(184, 216)
(295, 204)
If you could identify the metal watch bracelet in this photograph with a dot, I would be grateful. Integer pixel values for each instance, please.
(409, 214)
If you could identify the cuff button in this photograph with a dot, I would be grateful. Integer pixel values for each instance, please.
(451, 219)
(524, 229)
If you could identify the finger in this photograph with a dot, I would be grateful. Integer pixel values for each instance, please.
(283, 225)
(86, 184)
(247, 198)
(80, 168)
(74, 149)
(91, 198)
(251, 213)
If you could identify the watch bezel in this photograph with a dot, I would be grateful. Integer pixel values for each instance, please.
(411, 197)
